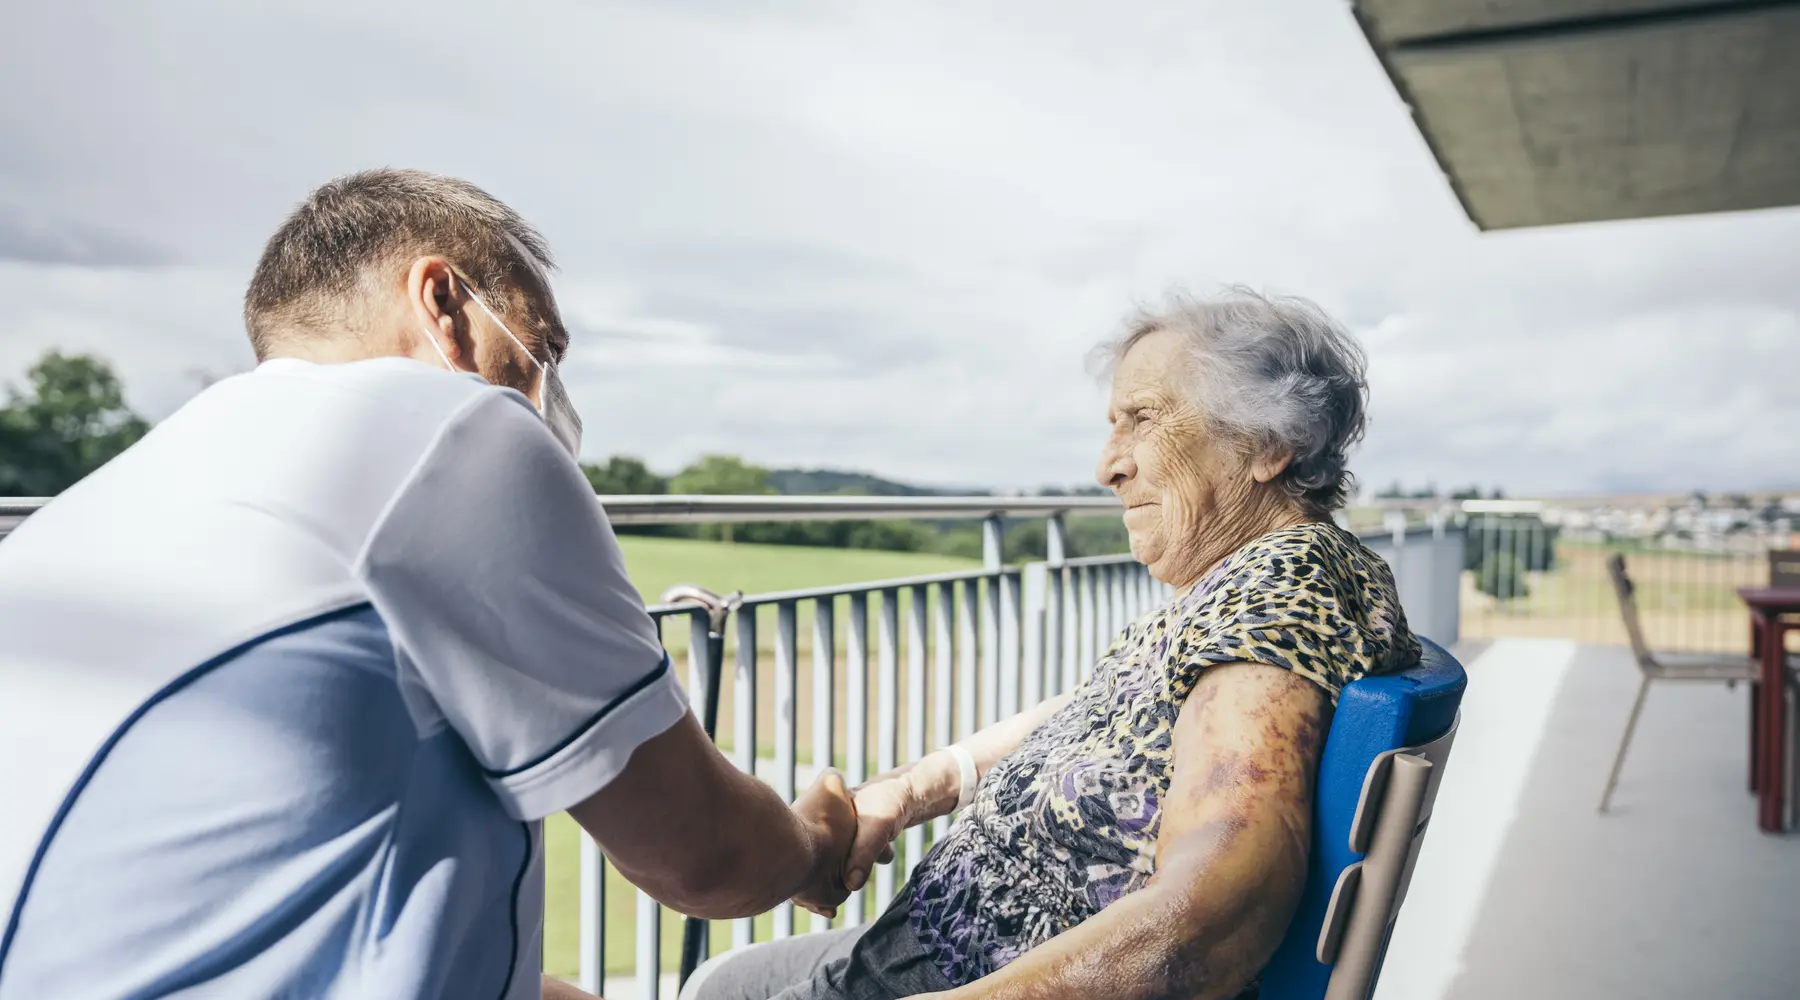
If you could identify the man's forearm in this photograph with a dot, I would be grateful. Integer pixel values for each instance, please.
(696, 833)
(556, 989)
(763, 853)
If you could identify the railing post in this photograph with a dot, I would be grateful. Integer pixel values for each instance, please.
(743, 735)
(1010, 629)
(1395, 523)
(1089, 628)
(915, 704)
(992, 558)
(649, 947)
(856, 723)
(887, 707)
(943, 683)
(1055, 552)
(787, 729)
(593, 916)
(824, 694)
(1035, 582)
(968, 658)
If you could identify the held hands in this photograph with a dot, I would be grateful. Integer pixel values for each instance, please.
(854, 830)
(884, 808)
(828, 814)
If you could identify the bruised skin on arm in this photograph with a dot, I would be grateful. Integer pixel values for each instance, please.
(1230, 856)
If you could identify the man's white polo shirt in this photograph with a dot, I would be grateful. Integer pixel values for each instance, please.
(287, 688)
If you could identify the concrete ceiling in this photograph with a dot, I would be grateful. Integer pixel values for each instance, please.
(1556, 111)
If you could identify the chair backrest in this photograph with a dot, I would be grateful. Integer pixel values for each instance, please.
(1628, 611)
(1378, 776)
(1784, 567)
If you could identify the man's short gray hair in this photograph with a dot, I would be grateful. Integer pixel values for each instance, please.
(351, 227)
(1269, 372)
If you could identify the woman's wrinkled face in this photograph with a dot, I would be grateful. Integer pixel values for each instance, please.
(1188, 494)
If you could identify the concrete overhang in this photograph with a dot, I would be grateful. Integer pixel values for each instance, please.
(1544, 112)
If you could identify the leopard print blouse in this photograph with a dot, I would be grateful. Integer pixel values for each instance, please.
(1067, 823)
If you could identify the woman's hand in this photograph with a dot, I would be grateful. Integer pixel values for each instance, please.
(893, 802)
(884, 807)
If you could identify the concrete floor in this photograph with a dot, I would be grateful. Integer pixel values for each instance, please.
(1523, 890)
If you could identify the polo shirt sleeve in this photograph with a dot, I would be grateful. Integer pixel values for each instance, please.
(500, 581)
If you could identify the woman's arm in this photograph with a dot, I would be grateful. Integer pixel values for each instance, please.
(928, 787)
(1230, 859)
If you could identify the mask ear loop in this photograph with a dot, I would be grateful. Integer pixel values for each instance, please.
(431, 337)
(543, 372)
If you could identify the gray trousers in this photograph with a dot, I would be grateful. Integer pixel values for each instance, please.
(882, 961)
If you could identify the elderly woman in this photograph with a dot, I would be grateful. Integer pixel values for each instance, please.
(1146, 835)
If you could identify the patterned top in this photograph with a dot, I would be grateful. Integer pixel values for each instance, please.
(1067, 823)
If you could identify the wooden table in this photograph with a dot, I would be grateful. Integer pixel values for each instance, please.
(1769, 734)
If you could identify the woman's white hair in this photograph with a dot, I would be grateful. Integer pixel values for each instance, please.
(1269, 372)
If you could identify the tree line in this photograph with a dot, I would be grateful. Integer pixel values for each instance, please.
(729, 475)
(70, 417)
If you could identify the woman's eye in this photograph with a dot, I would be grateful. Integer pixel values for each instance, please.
(1143, 417)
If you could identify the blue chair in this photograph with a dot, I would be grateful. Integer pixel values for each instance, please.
(1378, 777)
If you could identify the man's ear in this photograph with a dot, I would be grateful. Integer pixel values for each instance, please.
(432, 293)
(1272, 462)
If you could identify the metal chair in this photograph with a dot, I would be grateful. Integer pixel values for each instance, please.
(1784, 567)
(1378, 777)
(1725, 668)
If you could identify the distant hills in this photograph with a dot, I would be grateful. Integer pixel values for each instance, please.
(805, 482)
(811, 482)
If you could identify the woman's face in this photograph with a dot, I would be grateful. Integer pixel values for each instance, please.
(1191, 498)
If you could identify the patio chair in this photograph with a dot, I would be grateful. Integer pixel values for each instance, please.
(1725, 668)
(1784, 567)
(1378, 777)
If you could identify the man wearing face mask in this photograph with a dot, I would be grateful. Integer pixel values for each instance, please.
(287, 689)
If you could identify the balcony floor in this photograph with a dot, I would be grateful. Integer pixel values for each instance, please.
(1523, 890)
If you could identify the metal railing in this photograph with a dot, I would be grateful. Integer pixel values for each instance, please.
(950, 653)
(1539, 568)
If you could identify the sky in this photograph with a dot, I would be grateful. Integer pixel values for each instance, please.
(883, 236)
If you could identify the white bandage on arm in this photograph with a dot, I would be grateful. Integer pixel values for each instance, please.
(968, 776)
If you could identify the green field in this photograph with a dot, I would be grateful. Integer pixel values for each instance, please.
(1687, 601)
(656, 564)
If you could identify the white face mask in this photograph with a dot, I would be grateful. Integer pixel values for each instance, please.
(552, 402)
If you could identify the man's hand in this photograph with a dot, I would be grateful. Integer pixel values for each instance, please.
(829, 816)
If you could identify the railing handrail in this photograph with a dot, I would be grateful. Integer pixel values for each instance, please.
(695, 509)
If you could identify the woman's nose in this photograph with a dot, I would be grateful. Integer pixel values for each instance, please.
(1115, 465)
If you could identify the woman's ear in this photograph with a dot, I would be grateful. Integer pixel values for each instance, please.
(1271, 463)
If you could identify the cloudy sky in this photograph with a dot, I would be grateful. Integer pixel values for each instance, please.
(881, 236)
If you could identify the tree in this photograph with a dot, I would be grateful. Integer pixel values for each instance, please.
(72, 421)
(726, 475)
(623, 475)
